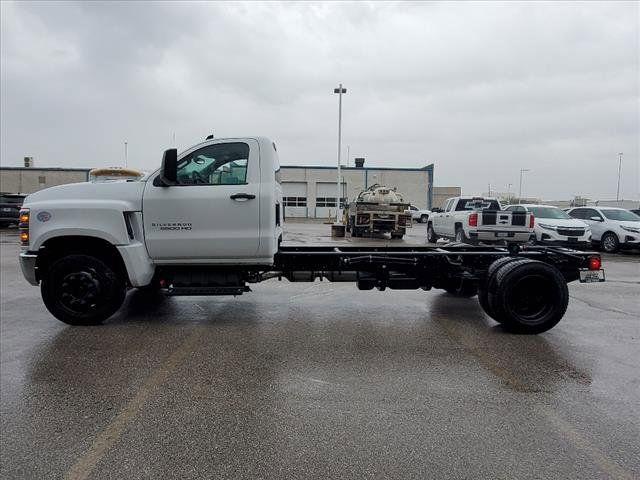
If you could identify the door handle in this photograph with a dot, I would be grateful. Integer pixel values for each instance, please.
(242, 196)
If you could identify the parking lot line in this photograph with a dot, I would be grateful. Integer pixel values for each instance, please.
(110, 435)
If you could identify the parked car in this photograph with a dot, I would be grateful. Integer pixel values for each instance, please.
(479, 219)
(553, 226)
(612, 228)
(10, 204)
(420, 216)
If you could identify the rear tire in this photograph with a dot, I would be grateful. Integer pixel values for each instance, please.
(610, 243)
(82, 290)
(431, 234)
(490, 285)
(424, 218)
(531, 296)
(460, 236)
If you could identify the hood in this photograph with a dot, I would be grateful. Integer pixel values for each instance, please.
(127, 193)
(626, 223)
(562, 222)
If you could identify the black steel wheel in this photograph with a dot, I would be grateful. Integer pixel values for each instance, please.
(82, 290)
(530, 296)
(424, 218)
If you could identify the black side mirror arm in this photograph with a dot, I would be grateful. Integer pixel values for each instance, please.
(169, 170)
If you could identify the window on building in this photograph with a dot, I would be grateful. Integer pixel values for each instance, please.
(329, 202)
(42, 180)
(295, 201)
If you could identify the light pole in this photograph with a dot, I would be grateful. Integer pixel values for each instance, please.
(125, 154)
(339, 91)
(522, 170)
(509, 192)
(619, 170)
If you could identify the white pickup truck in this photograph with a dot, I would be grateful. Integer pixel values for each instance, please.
(209, 222)
(477, 219)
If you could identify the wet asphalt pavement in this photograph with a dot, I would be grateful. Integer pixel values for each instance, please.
(320, 381)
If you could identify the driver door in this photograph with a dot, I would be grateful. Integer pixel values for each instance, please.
(212, 214)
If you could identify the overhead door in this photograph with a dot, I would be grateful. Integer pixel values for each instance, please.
(326, 199)
(295, 199)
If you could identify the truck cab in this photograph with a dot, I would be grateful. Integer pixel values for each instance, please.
(216, 203)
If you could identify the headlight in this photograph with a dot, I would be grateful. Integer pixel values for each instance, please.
(631, 229)
(548, 227)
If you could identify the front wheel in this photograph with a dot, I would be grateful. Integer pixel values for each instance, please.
(610, 242)
(431, 234)
(82, 290)
(424, 218)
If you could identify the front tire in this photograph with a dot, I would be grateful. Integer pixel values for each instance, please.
(82, 290)
(424, 218)
(610, 243)
(431, 234)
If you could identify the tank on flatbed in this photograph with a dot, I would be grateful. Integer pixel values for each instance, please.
(378, 209)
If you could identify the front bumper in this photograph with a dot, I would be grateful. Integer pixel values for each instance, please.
(28, 265)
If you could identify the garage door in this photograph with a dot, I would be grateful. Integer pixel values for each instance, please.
(326, 199)
(295, 199)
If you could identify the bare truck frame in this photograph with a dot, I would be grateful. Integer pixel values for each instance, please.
(525, 289)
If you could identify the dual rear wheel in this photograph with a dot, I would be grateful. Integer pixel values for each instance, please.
(525, 296)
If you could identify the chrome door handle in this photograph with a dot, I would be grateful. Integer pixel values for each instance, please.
(242, 196)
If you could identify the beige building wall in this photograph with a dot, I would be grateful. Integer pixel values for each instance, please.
(440, 194)
(29, 180)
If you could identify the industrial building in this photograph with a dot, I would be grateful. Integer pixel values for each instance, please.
(309, 191)
(31, 179)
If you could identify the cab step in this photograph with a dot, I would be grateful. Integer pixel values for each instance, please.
(206, 291)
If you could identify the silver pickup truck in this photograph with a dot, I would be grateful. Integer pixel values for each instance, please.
(479, 219)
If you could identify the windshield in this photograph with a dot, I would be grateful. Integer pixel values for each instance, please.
(548, 212)
(621, 215)
(477, 204)
(18, 199)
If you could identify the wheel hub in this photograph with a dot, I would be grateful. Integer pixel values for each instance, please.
(79, 291)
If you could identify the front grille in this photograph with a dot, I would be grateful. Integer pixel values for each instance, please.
(571, 232)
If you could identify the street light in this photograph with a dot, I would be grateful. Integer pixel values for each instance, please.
(619, 170)
(125, 154)
(340, 91)
(522, 170)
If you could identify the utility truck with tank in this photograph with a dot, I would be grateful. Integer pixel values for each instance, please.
(378, 209)
(479, 219)
(209, 222)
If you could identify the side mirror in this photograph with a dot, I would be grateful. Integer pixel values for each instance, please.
(169, 169)
(595, 219)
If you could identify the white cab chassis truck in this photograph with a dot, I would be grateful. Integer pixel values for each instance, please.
(209, 222)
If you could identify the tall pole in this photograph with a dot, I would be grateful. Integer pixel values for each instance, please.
(522, 170)
(125, 154)
(619, 170)
(339, 91)
(509, 192)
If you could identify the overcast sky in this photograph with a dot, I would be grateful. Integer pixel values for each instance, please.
(479, 89)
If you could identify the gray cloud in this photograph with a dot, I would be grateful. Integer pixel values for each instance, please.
(480, 89)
